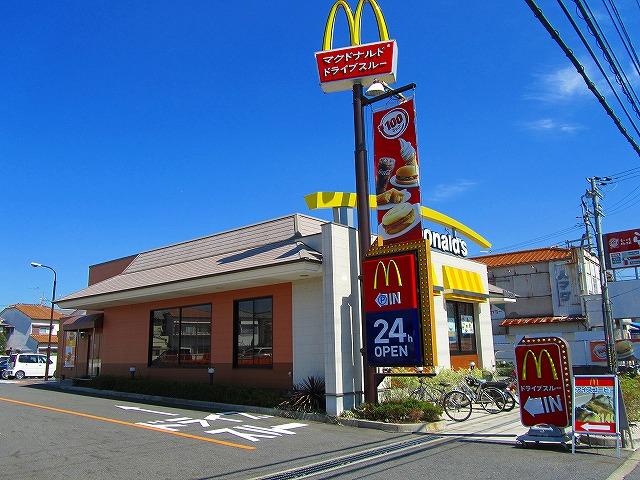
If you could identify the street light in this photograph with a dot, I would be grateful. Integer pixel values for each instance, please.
(362, 198)
(53, 297)
(379, 87)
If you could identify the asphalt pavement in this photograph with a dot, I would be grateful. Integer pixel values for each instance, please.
(46, 434)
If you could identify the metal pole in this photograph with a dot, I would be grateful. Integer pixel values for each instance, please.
(606, 305)
(53, 297)
(364, 226)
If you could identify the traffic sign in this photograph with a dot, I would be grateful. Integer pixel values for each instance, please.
(595, 406)
(544, 381)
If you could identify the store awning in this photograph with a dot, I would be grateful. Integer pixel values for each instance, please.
(463, 285)
(83, 322)
(436, 284)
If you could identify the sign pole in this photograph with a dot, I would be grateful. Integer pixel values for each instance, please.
(364, 225)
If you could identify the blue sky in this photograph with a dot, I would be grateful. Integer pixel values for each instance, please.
(126, 126)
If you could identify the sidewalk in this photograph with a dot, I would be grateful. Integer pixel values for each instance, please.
(502, 427)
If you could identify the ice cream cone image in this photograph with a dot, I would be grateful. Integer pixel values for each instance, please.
(407, 152)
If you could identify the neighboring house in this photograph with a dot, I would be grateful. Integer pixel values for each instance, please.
(28, 327)
(551, 285)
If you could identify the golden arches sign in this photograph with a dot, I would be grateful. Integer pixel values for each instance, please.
(538, 364)
(386, 270)
(354, 21)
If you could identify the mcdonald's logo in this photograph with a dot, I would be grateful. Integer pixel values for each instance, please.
(593, 382)
(538, 363)
(354, 21)
(387, 270)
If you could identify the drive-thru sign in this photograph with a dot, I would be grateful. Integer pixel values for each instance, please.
(544, 381)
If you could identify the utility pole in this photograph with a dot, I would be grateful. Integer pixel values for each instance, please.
(609, 336)
(587, 230)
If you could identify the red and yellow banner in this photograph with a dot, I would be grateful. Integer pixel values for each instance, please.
(397, 174)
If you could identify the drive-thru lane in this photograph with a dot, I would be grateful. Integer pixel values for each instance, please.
(52, 434)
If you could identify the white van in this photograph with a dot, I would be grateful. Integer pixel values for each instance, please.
(23, 365)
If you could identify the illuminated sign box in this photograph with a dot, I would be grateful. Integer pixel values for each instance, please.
(341, 68)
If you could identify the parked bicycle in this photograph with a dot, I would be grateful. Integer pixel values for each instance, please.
(509, 388)
(455, 403)
(491, 399)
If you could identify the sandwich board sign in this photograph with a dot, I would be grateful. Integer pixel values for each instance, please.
(544, 381)
(596, 407)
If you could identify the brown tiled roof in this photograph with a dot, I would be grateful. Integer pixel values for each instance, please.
(511, 322)
(44, 338)
(546, 254)
(37, 312)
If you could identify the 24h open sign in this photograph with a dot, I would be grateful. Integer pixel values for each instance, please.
(544, 380)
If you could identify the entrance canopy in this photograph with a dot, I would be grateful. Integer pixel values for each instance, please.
(84, 322)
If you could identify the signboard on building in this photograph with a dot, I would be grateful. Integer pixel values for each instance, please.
(626, 350)
(595, 406)
(622, 249)
(446, 243)
(398, 306)
(544, 381)
(70, 348)
(397, 178)
(339, 69)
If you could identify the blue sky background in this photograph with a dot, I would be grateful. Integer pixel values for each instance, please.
(126, 126)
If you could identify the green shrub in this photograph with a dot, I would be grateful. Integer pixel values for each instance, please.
(631, 393)
(398, 411)
(504, 369)
(259, 397)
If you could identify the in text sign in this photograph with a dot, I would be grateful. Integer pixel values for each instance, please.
(390, 283)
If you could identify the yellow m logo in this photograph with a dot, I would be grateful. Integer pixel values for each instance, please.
(593, 382)
(386, 271)
(538, 364)
(354, 21)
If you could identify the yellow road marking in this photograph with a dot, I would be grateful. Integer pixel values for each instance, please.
(128, 424)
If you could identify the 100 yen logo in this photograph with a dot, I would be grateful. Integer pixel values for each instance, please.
(394, 123)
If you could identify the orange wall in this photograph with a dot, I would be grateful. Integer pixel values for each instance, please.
(125, 341)
(462, 361)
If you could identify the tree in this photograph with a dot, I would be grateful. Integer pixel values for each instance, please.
(3, 341)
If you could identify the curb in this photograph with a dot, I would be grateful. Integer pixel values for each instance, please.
(432, 427)
(202, 405)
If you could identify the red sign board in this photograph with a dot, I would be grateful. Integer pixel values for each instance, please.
(626, 350)
(595, 404)
(622, 249)
(396, 164)
(390, 283)
(544, 381)
(340, 68)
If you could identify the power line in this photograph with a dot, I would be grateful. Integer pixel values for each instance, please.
(597, 62)
(581, 70)
(540, 239)
(632, 53)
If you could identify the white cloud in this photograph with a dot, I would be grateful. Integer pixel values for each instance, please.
(446, 191)
(551, 125)
(560, 85)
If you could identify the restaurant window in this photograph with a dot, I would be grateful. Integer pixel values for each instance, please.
(253, 321)
(181, 336)
(462, 337)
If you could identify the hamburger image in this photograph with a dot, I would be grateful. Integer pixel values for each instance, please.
(407, 175)
(398, 218)
(624, 349)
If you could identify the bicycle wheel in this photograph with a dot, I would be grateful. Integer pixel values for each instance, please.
(492, 400)
(510, 401)
(457, 405)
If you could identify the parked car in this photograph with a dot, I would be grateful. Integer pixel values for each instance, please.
(23, 365)
(3, 365)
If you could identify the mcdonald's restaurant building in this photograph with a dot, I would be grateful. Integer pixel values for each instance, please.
(267, 305)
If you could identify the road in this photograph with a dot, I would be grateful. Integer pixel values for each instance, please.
(47, 434)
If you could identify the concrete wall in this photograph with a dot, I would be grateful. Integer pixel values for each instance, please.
(625, 298)
(19, 338)
(308, 329)
(342, 331)
(532, 284)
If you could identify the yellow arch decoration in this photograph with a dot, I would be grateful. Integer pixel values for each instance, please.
(354, 21)
(318, 200)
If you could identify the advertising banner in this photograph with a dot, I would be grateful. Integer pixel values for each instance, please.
(397, 180)
(398, 306)
(595, 406)
(626, 350)
(622, 249)
(70, 348)
(544, 381)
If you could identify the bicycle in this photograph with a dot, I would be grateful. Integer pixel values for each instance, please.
(455, 403)
(491, 399)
